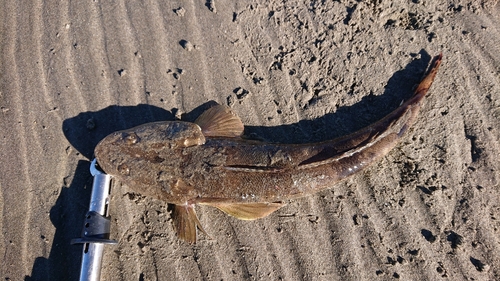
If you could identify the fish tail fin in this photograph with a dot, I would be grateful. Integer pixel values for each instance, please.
(186, 222)
(426, 83)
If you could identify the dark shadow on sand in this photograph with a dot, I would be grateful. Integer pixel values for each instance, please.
(67, 216)
(349, 119)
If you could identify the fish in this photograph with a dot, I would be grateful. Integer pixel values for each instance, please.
(208, 162)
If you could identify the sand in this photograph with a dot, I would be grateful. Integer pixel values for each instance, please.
(74, 71)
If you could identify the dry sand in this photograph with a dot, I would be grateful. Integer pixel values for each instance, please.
(74, 71)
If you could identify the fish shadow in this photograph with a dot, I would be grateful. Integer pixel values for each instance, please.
(349, 119)
(85, 130)
(344, 120)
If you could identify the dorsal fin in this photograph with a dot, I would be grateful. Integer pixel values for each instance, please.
(220, 121)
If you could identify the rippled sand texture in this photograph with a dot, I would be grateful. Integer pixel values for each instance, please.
(74, 71)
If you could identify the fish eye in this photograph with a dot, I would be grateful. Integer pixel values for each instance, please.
(123, 169)
(130, 138)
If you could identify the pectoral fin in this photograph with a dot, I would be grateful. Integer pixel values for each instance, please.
(247, 211)
(186, 222)
(220, 121)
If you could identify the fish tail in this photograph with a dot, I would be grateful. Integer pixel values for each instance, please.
(426, 83)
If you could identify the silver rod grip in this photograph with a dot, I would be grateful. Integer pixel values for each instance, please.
(99, 200)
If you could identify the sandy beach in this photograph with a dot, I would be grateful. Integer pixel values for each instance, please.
(294, 72)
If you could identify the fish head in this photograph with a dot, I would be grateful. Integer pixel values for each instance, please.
(147, 143)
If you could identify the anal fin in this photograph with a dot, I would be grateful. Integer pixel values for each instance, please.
(247, 211)
(186, 222)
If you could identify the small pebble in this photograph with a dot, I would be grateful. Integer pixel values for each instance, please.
(188, 46)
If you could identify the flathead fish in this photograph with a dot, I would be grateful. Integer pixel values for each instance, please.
(208, 163)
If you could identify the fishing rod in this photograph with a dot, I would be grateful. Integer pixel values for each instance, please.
(96, 227)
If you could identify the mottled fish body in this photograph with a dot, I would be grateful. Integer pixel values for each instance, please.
(207, 162)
